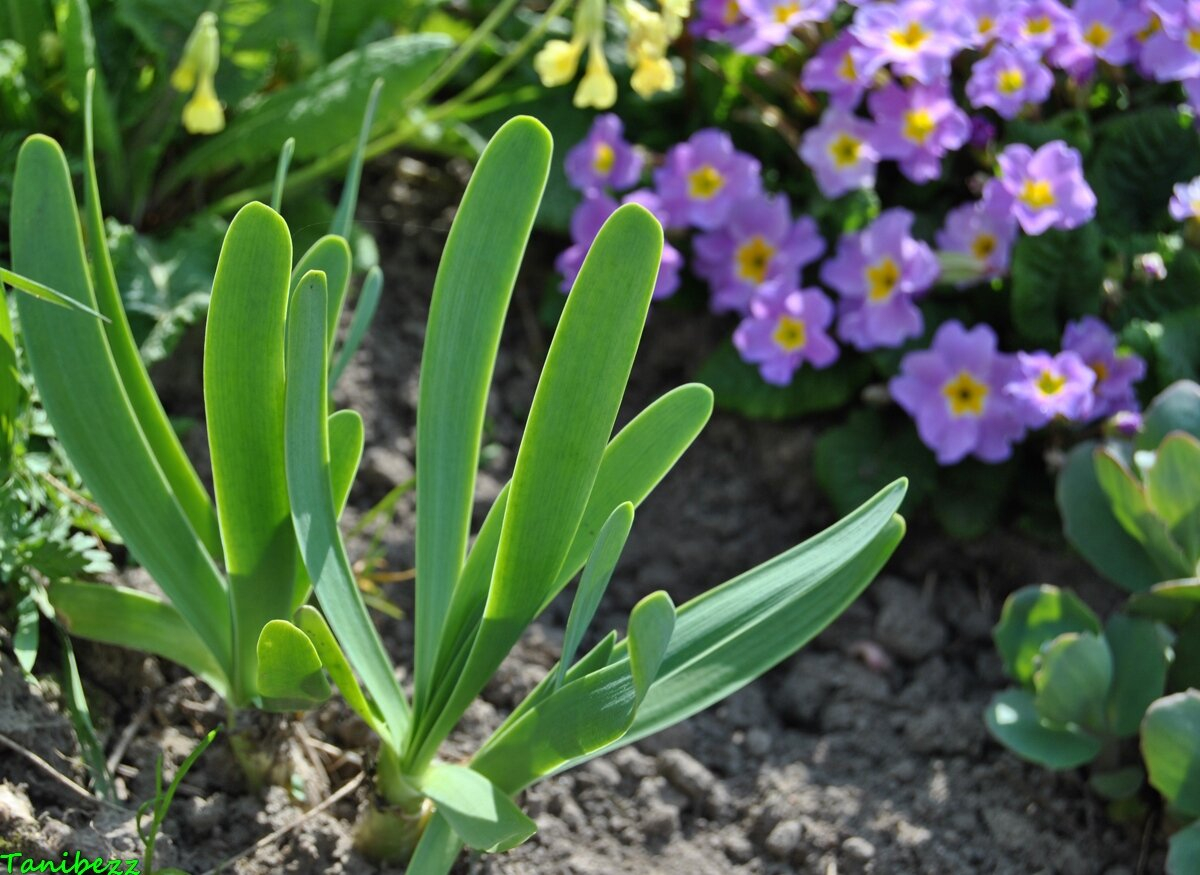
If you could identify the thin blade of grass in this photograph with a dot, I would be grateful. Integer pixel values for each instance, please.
(360, 322)
(281, 172)
(348, 202)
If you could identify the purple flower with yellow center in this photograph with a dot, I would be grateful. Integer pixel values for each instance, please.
(786, 328)
(1046, 386)
(1109, 28)
(879, 272)
(776, 19)
(587, 220)
(1171, 51)
(1046, 187)
(954, 392)
(1045, 26)
(1115, 374)
(983, 235)
(915, 37)
(841, 68)
(1007, 79)
(603, 159)
(979, 20)
(701, 179)
(1185, 200)
(759, 246)
(840, 153)
(917, 127)
(726, 21)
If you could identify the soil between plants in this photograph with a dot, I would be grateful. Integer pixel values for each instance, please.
(864, 753)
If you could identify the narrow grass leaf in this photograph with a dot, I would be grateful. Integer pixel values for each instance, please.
(45, 293)
(470, 298)
(348, 202)
(281, 172)
(360, 322)
(87, 405)
(330, 255)
(10, 387)
(481, 814)
(81, 719)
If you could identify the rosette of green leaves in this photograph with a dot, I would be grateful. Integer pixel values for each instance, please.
(569, 507)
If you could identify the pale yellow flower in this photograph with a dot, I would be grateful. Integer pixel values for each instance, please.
(651, 76)
(597, 88)
(203, 114)
(197, 69)
(557, 62)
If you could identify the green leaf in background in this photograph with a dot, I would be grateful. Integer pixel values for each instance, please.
(1171, 749)
(970, 496)
(1171, 602)
(1141, 652)
(1138, 157)
(343, 217)
(1185, 668)
(1013, 720)
(1056, 277)
(289, 668)
(25, 637)
(1072, 679)
(738, 386)
(243, 403)
(10, 387)
(1183, 851)
(471, 294)
(481, 814)
(364, 313)
(1118, 783)
(1176, 408)
(1173, 487)
(851, 463)
(1131, 506)
(1032, 616)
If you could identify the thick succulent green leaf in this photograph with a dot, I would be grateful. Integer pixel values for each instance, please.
(1172, 601)
(137, 620)
(1131, 506)
(289, 667)
(596, 575)
(1140, 659)
(313, 514)
(310, 621)
(594, 660)
(1013, 720)
(1032, 616)
(1118, 784)
(1173, 487)
(330, 255)
(344, 215)
(470, 298)
(1171, 749)
(1093, 530)
(1176, 408)
(164, 442)
(1071, 682)
(569, 427)
(86, 402)
(360, 322)
(438, 848)
(478, 811)
(1183, 851)
(243, 402)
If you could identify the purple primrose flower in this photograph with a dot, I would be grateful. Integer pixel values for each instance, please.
(1046, 187)
(981, 233)
(917, 127)
(1047, 27)
(604, 159)
(879, 272)
(700, 179)
(1185, 200)
(1007, 79)
(726, 21)
(915, 37)
(776, 19)
(787, 327)
(1109, 28)
(1096, 346)
(1045, 386)
(841, 68)
(840, 153)
(1172, 51)
(954, 392)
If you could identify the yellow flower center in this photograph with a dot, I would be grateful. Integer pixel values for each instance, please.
(844, 150)
(754, 258)
(1097, 35)
(965, 395)
(985, 24)
(918, 125)
(983, 246)
(1010, 81)
(603, 160)
(1193, 40)
(1036, 194)
(1049, 383)
(910, 37)
(790, 334)
(846, 69)
(1039, 25)
(785, 11)
(882, 279)
(705, 182)
(1100, 369)
(1195, 205)
(733, 11)
(1150, 29)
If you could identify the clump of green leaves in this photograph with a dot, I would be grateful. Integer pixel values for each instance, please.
(1120, 696)
(569, 507)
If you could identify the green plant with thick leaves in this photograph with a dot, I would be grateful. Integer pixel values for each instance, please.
(569, 507)
(1087, 691)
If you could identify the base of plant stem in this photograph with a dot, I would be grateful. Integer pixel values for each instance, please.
(269, 755)
(390, 833)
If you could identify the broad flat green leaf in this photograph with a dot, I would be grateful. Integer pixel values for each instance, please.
(569, 427)
(1072, 680)
(289, 667)
(243, 403)
(1090, 526)
(1173, 487)
(364, 313)
(596, 575)
(482, 815)
(1171, 749)
(313, 513)
(160, 435)
(1140, 658)
(1172, 601)
(1131, 507)
(1032, 616)
(438, 848)
(1013, 720)
(348, 202)
(86, 403)
(650, 626)
(594, 660)
(1176, 408)
(310, 621)
(129, 618)
(322, 112)
(470, 298)
(1183, 851)
(331, 255)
